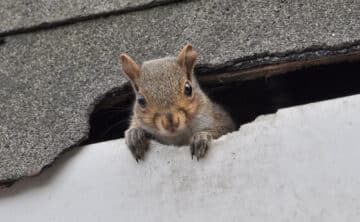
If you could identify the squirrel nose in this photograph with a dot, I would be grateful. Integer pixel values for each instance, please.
(170, 123)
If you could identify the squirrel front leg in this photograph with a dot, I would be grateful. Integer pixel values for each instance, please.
(137, 141)
(200, 141)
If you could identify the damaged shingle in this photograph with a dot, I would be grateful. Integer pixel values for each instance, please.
(22, 15)
(51, 79)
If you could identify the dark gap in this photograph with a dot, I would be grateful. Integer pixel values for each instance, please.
(111, 115)
(249, 99)
(244, 100)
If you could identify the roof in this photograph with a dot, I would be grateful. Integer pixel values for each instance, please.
(23, 15)
(51, 77)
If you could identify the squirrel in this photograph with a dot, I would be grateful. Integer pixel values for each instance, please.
(170, 106)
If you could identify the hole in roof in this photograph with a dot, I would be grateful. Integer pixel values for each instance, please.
(245, 99)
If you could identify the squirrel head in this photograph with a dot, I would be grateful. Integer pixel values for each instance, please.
(167, 93)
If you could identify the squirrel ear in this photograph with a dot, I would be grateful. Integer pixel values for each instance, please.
(129, 66)
(187, 58)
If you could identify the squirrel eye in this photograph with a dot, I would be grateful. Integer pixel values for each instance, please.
(188, 89)
(141, 100)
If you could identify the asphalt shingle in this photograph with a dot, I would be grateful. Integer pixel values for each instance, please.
(23, 14)
(51, 79)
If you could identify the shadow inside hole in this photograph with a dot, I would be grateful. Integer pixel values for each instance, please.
(111, 116)
(244, 100)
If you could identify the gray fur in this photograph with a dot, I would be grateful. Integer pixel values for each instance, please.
(165, 71)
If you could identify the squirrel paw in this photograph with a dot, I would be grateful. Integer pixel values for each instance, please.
(199, 144)
(137, 142)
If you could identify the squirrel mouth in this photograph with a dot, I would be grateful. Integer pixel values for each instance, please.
(172, 131)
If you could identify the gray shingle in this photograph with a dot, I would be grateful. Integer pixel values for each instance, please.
(22, 14)
(50, 79)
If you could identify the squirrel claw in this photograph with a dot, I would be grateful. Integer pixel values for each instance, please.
(137, 142)
(138, 158)
(199, 144)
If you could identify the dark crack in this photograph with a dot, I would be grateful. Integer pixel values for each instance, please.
(80, 18)
(266, 58)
